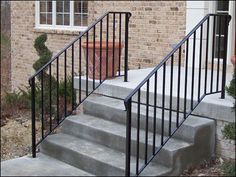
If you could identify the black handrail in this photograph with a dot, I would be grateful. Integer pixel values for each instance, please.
(50, 96)
(218, 19)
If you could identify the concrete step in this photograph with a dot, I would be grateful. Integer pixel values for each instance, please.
(93, 157)
(114, 110)
(113, 135)
(42, 165)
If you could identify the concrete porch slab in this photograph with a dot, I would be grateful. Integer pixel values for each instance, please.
(209, 107)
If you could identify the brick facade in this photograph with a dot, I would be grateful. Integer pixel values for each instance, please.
(165, 21)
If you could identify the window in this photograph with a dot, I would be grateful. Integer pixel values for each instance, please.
(70, 15)
(222, 7)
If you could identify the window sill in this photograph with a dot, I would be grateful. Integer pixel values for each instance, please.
(53, 30)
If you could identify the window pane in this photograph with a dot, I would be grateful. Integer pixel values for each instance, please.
(85, 7)
(43, 6)
(59, 19)
(59, 6)
(77, 6)
(66, 19)
(49, 6)
(66, 6)
(49, 19)
(85, 20)
(77, 20)
(43, 19)
(223, 5)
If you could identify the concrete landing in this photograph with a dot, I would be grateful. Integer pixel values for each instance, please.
(209, 106)
(41, 166)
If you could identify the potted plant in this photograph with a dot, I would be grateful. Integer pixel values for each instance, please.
(104, 47)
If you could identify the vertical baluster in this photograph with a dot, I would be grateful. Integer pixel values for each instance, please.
(206, 62)
(80, 70)
(119, 43)
(178, 91)
(113, 46)
(193, 68)
(94, 64)
(100, 52)
(107, 46)
(126, 46)
(72, 63)
(138, 132)
(32, 83)
(128, 136)
(42, 104)
(87, 65)
(163, 104)
(200, 65)
(146, 129)
(186, 80)
(225, 57)
(171, 92)
(218, 59)
(65, 90)
(50, 97)
(58, 111)
(154, 114)
(213, 52)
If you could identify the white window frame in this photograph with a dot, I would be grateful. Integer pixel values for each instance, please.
(70, 27)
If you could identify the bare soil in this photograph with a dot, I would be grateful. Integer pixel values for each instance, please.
(206, 168)
(16, 136)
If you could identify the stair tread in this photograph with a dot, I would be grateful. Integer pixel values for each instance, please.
(120, 130)
(192, 121)
(101, 153)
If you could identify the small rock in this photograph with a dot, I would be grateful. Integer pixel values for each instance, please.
(201, 174)
(221, 160)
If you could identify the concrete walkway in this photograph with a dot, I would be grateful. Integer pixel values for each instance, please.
(41, 166)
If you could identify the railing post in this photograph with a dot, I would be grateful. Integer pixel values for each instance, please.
(225, 57)
(128, 137)
(127, 16)
(32, 84)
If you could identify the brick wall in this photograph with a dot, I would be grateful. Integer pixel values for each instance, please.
(154, 27)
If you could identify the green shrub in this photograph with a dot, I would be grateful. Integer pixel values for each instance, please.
(5, 40)
(231, 90)
(228, 168)
(229, 131)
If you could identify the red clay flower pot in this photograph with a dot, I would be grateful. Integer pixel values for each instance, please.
(97, 68)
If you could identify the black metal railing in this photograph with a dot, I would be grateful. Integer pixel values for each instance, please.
(53, 92)
(174, 90)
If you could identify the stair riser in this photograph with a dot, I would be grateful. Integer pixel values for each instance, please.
(119, 116)
(113, 141)
(79, 160)
(122, 92)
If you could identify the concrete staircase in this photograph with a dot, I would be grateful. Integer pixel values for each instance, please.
(94, 141)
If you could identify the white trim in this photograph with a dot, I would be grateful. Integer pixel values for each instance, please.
(60, 27)
(69, 27)
(231, 31)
